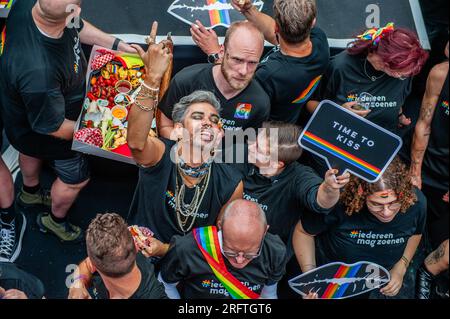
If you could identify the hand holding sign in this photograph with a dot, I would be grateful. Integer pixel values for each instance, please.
(348, 142)
(340, 281)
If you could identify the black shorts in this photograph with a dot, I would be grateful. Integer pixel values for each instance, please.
(72, 171)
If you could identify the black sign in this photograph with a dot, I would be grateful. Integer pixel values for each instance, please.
(349, 142)
(342, 20)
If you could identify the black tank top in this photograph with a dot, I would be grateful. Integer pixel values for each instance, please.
(435, 163)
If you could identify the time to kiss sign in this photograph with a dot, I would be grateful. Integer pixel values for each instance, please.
(349, 142)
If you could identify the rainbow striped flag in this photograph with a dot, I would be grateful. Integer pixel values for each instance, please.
(306, 94)
(335, 290)
(341, 154)
(219, 16)
(208, 243)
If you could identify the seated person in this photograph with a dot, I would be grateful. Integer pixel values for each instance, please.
(238, 260)
(121, 272)
(18, 284)
(283, 187)
(390, 208)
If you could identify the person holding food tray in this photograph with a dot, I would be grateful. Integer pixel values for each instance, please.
(42, 96)
(180, 187)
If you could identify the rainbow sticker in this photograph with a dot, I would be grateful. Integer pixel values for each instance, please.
(306, 94)
(445, 104)
(340, 153)
(243, 111)
(334, 290)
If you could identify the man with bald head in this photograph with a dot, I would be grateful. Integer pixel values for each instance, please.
(244, 102)
(42, 75)
(239, 259)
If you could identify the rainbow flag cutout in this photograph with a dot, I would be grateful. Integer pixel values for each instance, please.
(335, 290)
(219, 16)
(208, 243)
(306, 94)
(340, 153)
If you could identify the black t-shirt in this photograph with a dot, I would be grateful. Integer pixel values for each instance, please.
(186, 264)
(149, 288)
(154, 201)
(346, 80)
(43, 83)
(362, 237)
(290, 81)
(284, 197)
(250, 108)
(435, 162)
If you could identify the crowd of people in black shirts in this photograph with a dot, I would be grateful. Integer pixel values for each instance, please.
(225, 229)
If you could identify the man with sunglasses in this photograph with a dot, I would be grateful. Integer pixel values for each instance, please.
(238, 259)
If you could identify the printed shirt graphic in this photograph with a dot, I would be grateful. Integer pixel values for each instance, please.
(345, 81)
(243, 111)
(185, 263)
(291, 81)
(362, 236)
(211, 13)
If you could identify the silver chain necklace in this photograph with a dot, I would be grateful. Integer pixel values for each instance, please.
(373, 78)
(186, 211)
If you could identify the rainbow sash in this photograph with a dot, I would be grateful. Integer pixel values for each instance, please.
(208, 243)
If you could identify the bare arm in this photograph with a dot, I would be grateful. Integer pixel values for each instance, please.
(91, 35)
(65, 131)
(329, 191)
(262, 21)
(422, 132)
(165, 126)
(304, 248)
(399, 270)
(146, 150)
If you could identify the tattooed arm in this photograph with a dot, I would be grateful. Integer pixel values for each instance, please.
(423, 129)
(437, 261)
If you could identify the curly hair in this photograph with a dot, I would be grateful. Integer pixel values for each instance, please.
(396, 177)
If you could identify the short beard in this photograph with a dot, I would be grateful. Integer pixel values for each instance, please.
(230, 81)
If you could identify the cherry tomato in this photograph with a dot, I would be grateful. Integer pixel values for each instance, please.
(93, 80)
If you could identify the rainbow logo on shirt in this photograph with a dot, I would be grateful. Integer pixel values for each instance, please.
(306, 94)
(335, 290)
(243, 111)
(2, 40)
(354, 233)
(206, 283)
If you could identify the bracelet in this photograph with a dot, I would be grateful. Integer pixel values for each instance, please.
(405, 261)
(149, 87)
(80, 277)
(146, 108)
(142, 93)
(115, 45)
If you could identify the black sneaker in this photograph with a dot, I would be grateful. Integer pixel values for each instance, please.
(11, 235)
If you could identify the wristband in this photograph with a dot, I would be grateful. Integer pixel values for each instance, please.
(115, 45)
